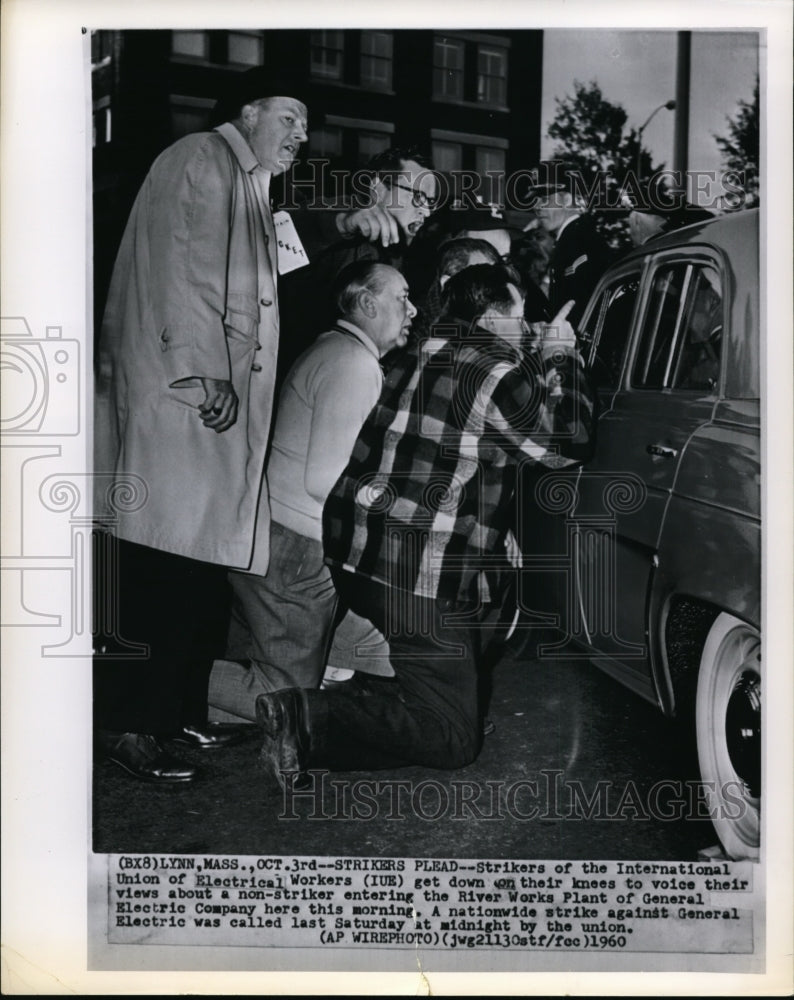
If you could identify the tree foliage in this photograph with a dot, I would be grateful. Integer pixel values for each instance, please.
(740, 147)
(591, 133)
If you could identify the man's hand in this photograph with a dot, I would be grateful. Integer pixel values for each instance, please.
(559, 332)
(373, 223)
(219, 409)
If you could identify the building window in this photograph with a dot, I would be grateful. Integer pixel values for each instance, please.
(325, 142)
(327, 54)
(246, 48)
(376, 59)
(491, 75)
(448, 68)
(447, 156)
(490, 165)
(189, 114)
(195, 44)
(470, 69)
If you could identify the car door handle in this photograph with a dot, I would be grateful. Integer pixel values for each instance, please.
(662, 451)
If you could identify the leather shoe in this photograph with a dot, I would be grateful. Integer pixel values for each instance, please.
(144, 757)
(284, 718)
(214, 735)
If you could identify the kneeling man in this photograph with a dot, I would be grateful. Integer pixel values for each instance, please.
(281, 621)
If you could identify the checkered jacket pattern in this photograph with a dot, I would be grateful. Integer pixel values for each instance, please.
(424, 504)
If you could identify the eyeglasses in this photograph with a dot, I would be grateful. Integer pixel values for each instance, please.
(419, 198)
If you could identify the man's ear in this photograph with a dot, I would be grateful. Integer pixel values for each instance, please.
(488, 322)
(249, 115)
(443, 280)
(367, 303)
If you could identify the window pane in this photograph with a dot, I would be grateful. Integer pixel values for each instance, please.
(447, 156)
(190, 43)
(491, 75)
(325, 142)
(662, 326)
(245, 48)
(185, 120)
(698, 365)
(377, 43)
(448, 68)
(376, 59)
(327, 49)
(488, 161)
(608, 330)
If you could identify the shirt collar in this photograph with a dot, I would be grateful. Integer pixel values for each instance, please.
(245, 155)
(368, 342)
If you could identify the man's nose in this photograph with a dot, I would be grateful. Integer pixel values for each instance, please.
(301, 131)
(411, 309)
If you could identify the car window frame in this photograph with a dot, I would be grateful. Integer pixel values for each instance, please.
(690, 255)
(633, 268)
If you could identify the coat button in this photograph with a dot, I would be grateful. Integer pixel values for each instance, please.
(256, 368)
(266, 302)
(258, 347)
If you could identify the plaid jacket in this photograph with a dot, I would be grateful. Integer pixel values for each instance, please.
(424, 502)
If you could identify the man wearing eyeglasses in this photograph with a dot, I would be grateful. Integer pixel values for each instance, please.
(398, 192)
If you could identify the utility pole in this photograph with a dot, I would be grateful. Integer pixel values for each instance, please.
(682, 78)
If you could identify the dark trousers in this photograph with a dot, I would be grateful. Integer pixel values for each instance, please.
(429, 714)
(178, 608)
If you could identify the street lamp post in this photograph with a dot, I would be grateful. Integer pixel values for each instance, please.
(670, 105)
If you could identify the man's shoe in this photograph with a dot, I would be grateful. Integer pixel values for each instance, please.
(213, 735)
(284, 718)
(144, 757)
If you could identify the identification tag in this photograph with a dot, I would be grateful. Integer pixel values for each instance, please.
(291, 254)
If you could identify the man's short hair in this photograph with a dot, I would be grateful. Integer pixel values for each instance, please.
(476, 289)
(353, 278)
(390, 160)
(455, 254)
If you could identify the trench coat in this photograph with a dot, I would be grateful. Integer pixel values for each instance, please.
(193, 295)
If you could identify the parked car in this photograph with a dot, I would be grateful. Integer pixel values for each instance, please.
(649, 556)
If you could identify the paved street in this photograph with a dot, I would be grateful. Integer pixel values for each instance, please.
(561, 729)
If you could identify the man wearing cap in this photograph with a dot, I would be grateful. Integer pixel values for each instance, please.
(654, 211)
(580, 255)
(185, 383)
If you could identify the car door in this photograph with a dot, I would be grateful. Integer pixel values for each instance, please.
(549, 529)
(667, 389)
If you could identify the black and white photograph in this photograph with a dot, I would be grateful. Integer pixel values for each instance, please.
(395, 509)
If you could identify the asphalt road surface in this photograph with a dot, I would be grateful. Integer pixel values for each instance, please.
(576, 768)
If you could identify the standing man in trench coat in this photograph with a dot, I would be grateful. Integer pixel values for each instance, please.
(185, 382)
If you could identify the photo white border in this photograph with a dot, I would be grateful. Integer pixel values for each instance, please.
(46, 226)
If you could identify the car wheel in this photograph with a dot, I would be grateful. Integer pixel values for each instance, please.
(728, 725)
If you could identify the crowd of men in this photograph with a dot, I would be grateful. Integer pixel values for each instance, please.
(367, 527)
